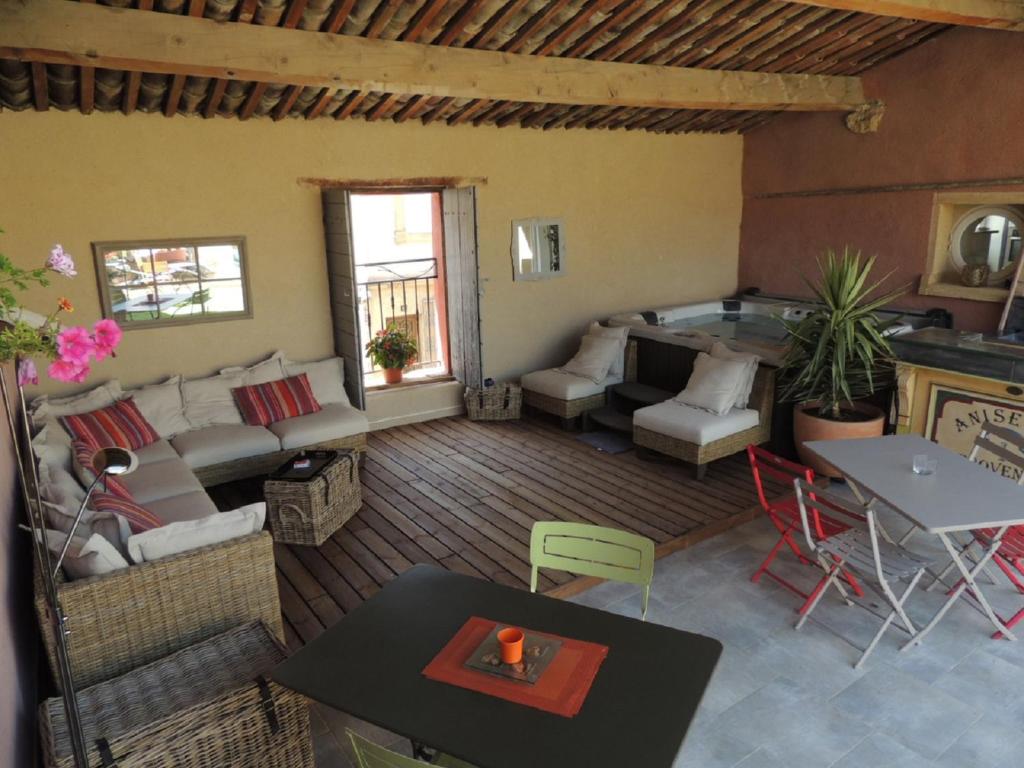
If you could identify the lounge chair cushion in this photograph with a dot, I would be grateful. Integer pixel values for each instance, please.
(594, 359)
(224, 442)
(187, 506)
(330, 423)
(161, 480)
(185, 535)
(619, 332)
(714, 384)
(564, 386)
(693, 425)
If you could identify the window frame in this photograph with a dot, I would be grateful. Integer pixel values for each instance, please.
(101, 248)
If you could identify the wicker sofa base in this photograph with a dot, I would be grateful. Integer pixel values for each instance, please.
(567, 409)
(127, 618)
(225, 472)
(701, 455)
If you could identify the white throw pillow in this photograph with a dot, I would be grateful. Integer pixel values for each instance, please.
(45, 408)
(618, 367)
(209, 401)
(326, 379)
(714, 384)
(87, 556)
(163, 406)
(191, 534)
(722, 352)
(594, 358)
(271, 369)
(52, 445)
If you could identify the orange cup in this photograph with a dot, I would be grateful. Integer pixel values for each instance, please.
(511, 642)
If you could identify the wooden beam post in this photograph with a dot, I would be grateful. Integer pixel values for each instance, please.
(56, 31)
(992, 14)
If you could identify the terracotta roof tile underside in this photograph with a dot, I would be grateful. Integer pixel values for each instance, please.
(753, 35)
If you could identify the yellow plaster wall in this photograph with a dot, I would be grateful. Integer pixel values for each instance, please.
(650, 220)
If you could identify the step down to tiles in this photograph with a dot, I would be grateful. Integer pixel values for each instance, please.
(610, 418)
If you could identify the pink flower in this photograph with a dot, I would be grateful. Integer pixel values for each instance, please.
(27, 373)
(75, 345)
(60, 262)
(68, 370)
(106, 335)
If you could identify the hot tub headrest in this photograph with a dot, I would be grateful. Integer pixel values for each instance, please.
(650, 317)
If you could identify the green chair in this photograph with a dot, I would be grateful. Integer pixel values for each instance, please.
(590, 550)
(370, 755)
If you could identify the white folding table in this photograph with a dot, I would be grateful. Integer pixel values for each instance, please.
(960, 496)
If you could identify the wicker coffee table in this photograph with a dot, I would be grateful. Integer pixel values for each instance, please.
(307, 506)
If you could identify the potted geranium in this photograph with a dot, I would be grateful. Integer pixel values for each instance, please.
(392, 350)
(838, 355)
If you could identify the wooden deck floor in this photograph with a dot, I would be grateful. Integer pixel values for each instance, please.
(463, 495)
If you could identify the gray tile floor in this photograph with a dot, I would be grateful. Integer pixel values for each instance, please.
(782, 698)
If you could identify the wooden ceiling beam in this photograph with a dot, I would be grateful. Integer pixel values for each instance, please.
(60, 32)
(87, 85)
(990, 14)
(195, 9)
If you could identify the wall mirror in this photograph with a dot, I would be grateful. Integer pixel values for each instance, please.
(538, 248)
(988, 238)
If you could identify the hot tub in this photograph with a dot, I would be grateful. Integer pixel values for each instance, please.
(746, 325)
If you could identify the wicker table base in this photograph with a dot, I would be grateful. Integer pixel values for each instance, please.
(308, 512)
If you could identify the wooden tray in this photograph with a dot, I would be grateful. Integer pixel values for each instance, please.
(538, 652)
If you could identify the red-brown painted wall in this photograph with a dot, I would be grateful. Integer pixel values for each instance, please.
(955, 111)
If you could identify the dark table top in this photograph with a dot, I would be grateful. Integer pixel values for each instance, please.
(636, 715)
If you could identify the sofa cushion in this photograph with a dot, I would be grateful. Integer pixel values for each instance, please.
(263, 404)
(163, 406)
(45, 408)
(208, 401)
(139, 518)
(119, 424)
(270, 369)
(188, 506)
(161, 480)
(332, 422)
(565, 386)
(185, 535)
(693, 425)
(161, 450)
(326, 379)
(88, 555)
(224, 442)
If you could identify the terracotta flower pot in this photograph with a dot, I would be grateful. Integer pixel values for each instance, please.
(807, 426)
(392, 375)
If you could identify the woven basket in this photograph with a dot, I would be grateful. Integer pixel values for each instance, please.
(208, 705)
(498, 403)
(308, 512)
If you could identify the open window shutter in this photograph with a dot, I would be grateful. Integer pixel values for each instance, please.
(342, 284)
(459, 207)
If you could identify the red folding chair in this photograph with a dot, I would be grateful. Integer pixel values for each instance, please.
(784, 512)
(1010, 560)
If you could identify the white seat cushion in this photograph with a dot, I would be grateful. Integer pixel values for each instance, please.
(186, 506)
(330, 423)
(564, 386)
(224, 442)
(161, 480)
(161, 450)
(693, 425)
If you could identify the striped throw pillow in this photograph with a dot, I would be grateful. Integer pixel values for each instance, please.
(139, 518)
(83, 452)
(263, 404)
(120, 424)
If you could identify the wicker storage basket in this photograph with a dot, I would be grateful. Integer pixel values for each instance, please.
(209, 705)
(308, 512)
(498, 403)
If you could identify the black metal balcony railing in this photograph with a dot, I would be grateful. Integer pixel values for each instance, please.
(411, 304)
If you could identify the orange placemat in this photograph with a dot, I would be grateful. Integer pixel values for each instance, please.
(561, 689)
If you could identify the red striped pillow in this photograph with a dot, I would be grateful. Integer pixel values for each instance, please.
(119, 424)
(83, 452)
(139, 518)
(263, 404)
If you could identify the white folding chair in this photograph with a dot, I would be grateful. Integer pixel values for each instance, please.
(877, 564)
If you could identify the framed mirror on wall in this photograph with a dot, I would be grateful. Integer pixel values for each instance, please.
(538, 248)
(987, 241)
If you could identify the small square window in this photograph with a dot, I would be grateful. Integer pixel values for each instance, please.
(144, 284)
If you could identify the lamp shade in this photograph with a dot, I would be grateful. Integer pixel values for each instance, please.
(115, 461)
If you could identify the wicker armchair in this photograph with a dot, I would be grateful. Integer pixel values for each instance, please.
(122, 620)
(570, 409)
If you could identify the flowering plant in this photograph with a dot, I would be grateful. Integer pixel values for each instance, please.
(70, 349)
(391, 348)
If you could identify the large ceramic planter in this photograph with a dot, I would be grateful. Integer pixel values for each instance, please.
(807, 426)
(392, 375)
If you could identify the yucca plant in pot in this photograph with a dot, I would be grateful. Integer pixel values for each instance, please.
(838, 355)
